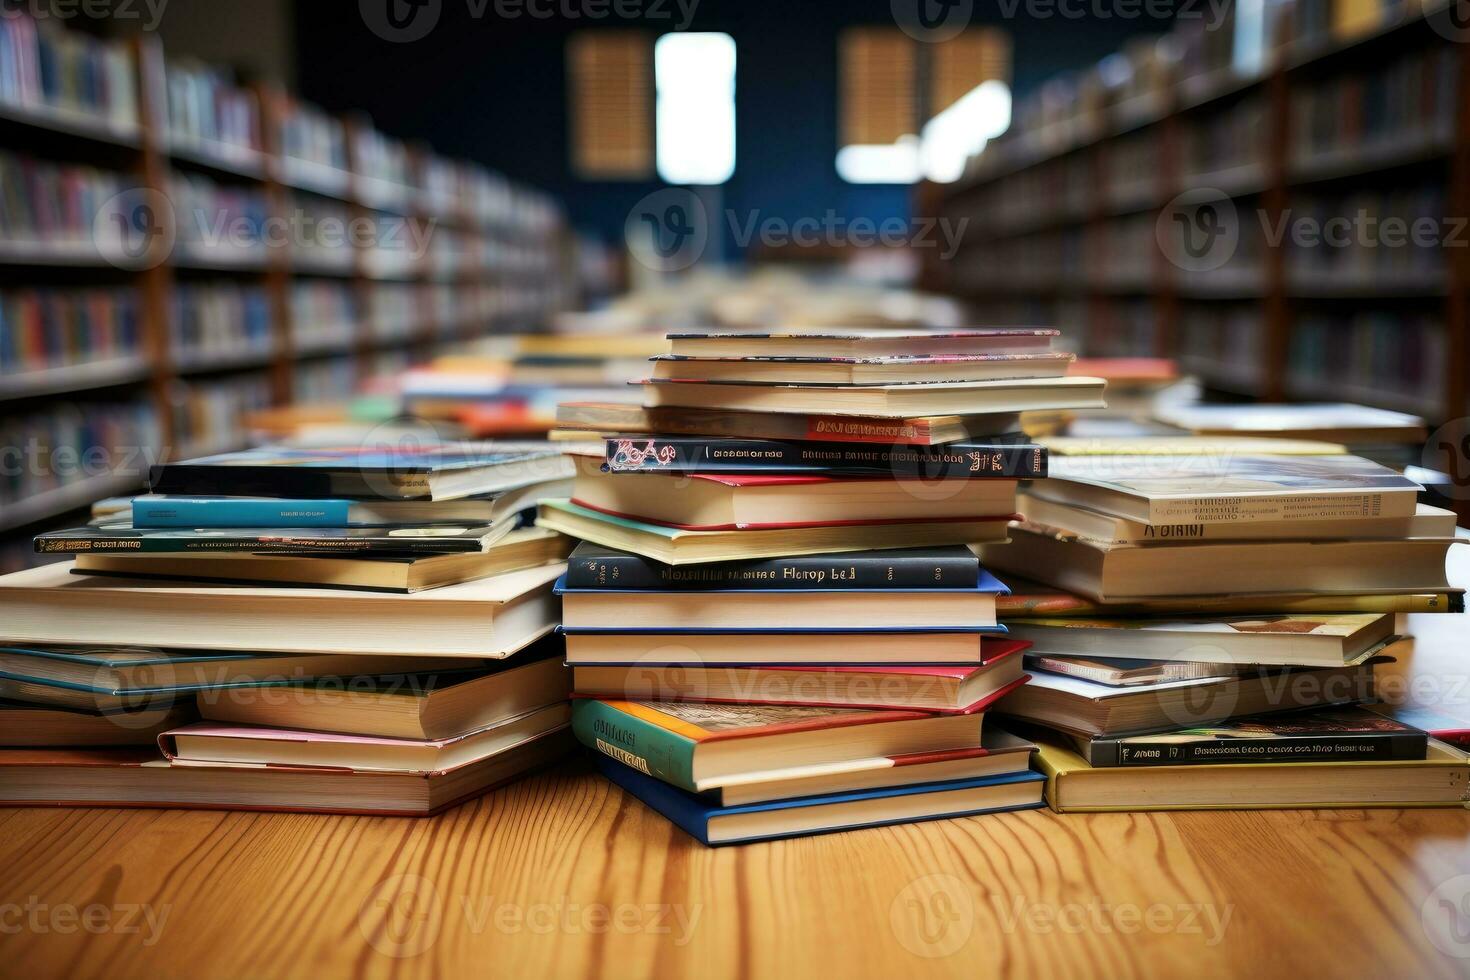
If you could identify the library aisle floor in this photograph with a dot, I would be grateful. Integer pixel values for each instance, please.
(563, 875)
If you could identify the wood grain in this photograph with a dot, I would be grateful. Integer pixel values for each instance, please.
(562, 875)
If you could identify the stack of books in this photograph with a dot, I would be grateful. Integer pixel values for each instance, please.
(365, 632)
(774, 622)
(1221, 620)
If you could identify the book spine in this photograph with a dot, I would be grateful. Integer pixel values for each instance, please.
(636, 743)
(1052, 605)
(249, 545)
(1267, 507)
(1317, 748)
(178, 512)
(956, 460)
(796, 572)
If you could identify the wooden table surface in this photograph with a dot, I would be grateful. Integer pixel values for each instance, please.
(562, 875)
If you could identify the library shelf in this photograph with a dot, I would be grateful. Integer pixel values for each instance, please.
(59, 380)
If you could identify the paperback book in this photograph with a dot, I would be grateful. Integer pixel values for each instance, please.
(1015, 459)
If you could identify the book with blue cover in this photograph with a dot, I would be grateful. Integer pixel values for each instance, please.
(714, 825)
(418, 472)
(123, 538)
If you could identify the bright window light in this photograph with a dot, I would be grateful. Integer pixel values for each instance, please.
(963, 129)
(880, 163)
(694, 75)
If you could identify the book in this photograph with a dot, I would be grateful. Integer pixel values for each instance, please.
(855, 646)
(1116, 672)
(701, 746)
(1084, 707)
(709, 502)
(137, 671)
(163, 511)
(677, 546)
(1348, 733)
(1426, 522)
(124, 539)
(963, 689)
(143, 778)
(422, 472)
(771, 609)
(843, 371)
(519, 549)
(417, 705)
(1013, 459)
(1111, 573)
(999, 754)
(936, 430)
(1342, 423)
(38, 726)
(1442, 778)
(713, 825)
(1328, 640)
(592, 566)
(250, 744)
(899, 401)
(1226, 489)
(1182, 444)
(1028, 599)
(863, 343)
(488, 618)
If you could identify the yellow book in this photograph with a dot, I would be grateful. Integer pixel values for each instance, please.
(1073, 786)
(1354, 18)
(1186, 445)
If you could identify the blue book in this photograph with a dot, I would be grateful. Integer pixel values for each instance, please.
(157, 511)
(714, 825)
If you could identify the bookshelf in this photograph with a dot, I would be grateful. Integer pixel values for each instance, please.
(282, 275)
(1067, 209)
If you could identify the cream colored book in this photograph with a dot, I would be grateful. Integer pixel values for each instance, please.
(490, 617)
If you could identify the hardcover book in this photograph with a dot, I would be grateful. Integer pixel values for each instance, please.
(38, 726)
(859, 371)
(1214, 489)
(713, 825)
(431, 472)
(863, 343)
(698, 746)
(937, 430)
(1029, 600)
(1014, 459)
(1348, 734)
(125, 539)
(592, 566)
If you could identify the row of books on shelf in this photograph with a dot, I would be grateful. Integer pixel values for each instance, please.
(45, 67)
(68, 443)
(1203, 56)
(60, 204)
(46, 329)
(48, 67)
(1394, 354)
(776, 622)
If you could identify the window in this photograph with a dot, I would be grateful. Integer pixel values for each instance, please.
(897, 130)
(611, 86)
(695, 78)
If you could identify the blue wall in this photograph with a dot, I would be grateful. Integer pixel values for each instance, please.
(473, 80)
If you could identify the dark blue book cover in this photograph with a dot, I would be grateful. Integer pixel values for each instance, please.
(692, 813)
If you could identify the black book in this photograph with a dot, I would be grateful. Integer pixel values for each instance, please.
(952, 567)
(1347, 733)
(358, 541)
(1001, 457)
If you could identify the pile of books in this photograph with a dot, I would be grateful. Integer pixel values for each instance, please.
(774, 623)
(1220, 620)
(325, 630)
